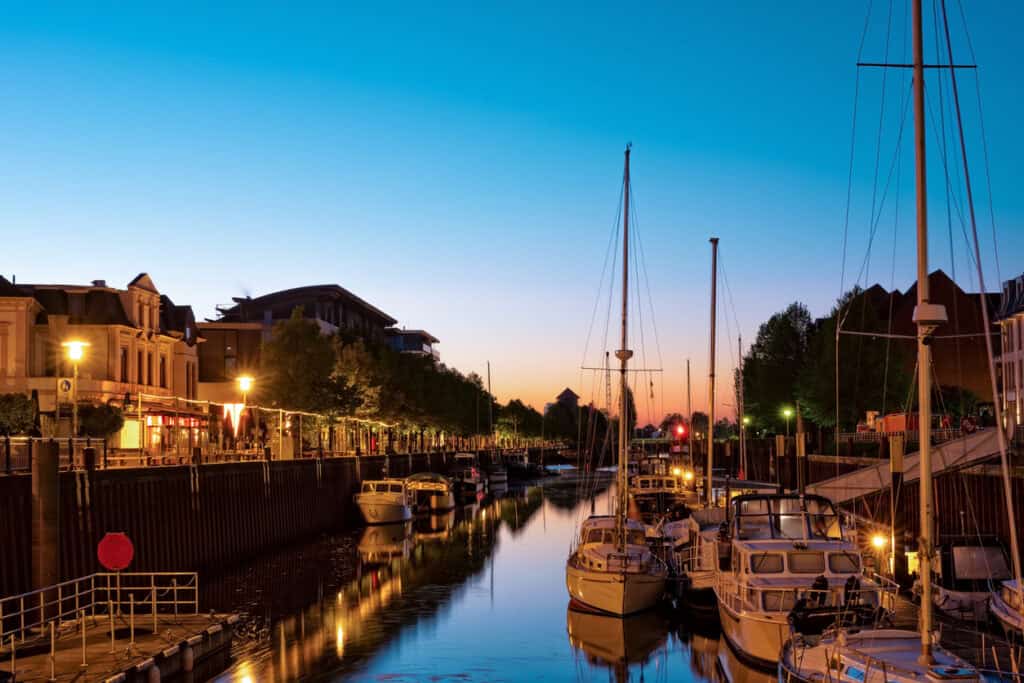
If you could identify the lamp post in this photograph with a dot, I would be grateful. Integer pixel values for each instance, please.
(245, 383)
(75, 350)
(787, 413)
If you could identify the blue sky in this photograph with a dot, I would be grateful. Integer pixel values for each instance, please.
(458, 166)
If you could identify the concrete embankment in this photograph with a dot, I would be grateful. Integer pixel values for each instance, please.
(192, 517)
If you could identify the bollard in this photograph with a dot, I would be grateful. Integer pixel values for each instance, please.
(81, 620)
(53, 651)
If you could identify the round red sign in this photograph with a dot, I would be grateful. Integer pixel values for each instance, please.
(115, 551)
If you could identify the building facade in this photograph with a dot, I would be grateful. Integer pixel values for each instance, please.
(417, 342)
(1010, 317)
(232, 341)
(140, 354)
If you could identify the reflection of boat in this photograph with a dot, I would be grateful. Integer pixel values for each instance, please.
(611, 569)
(616, 642)
(384, 542)
(384, 501)
(729, 668)
(431, 491)
(436, 526)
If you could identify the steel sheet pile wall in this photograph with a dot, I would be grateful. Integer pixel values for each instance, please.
(189, 518)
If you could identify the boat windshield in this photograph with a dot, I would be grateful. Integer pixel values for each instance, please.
(633, 536)
(783, 518)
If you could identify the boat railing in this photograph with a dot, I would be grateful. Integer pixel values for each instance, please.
(740, 595)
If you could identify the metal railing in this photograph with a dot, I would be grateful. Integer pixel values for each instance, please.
(72, 603)
(741, 596)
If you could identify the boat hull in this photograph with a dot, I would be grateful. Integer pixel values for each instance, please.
(1010, 619)
(617, 593)
(755, 639)
(378, 512)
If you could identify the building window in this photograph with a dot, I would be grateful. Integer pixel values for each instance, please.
(124, 364)
(139, 369)
(163, 372)
(195, 380)
(149, 369)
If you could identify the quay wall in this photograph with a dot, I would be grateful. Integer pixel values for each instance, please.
(186, 518)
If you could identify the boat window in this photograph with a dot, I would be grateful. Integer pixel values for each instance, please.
(806, 563)
(980, 562)
(368, 487)
(396, 488)
(670, 483)
(824, 520)
(777, 601)
(594, 536)
(644, 484)
(843, 563)
(636, 537)
(766, 563)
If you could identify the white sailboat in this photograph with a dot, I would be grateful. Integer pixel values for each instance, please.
(612, 569)
(889, 655)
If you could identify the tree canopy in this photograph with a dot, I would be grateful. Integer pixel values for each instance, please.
(17, 414)
(773, 364)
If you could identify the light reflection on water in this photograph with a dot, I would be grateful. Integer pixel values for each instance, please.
(477, 594)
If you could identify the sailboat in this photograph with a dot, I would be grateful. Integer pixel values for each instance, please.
(612, 569)
(881, 654)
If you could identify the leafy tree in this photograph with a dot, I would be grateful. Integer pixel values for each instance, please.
(872, 371)
(299, 370)
(669, 422)
(99, 421)
(700, 422)
(773, 364)
(17, 414)
(725, 429)
(516, 417)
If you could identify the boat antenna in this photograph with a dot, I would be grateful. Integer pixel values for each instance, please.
(624, 354)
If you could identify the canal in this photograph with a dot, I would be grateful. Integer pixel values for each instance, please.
(474, 595)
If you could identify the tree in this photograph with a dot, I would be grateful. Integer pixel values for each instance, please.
(299, 370)
(726, 429)
(699, 423)
(17, 414)
(99, 421)
(773, 364)
(518, 418)
(669, 422)
(872, 374)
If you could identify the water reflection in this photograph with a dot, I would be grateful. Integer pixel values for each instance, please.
(476, 593)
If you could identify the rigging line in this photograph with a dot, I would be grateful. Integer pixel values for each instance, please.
(728, 290)
(878, 139)
(892, 286)
(647, 282)
(640, 314)
(609, 250)
(853, 148)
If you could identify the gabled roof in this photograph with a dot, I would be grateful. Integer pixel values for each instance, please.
(143, 281)
(177, 318)
(568, 395)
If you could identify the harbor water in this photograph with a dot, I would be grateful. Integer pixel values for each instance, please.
(477, 594)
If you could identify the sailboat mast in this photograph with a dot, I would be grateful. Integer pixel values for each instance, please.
(711, 373)
(490, 409)
(924, 355)
(624, 355)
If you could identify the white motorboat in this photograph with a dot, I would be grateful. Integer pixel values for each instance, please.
(611, 569)
(789, 551)
(466, 475)
(612, 574)
(385, 501)
(432, 492)
(697, 557)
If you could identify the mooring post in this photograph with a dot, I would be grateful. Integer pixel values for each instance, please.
(45, 520)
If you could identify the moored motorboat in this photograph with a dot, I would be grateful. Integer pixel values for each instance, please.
(384, 501)
(1007, 607)
(466, 475)
(964, 574)
(432, 492)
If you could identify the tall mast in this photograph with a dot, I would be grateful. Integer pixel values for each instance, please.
(490, 407)
(711, 371)
(624, 354)
(926, 320)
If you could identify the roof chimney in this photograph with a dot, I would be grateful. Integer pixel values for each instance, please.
(99, 283)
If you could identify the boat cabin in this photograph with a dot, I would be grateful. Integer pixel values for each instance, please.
(971, 563)
(395, 486)
(784, 517)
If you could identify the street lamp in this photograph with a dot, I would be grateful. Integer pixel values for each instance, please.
(245, 383)
(75, 350)
(787, 413)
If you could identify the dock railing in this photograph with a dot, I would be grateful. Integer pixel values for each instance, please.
(71, 606)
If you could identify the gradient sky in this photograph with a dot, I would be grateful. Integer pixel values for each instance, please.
(458, 166)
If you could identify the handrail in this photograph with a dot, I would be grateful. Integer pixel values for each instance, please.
(741, 595)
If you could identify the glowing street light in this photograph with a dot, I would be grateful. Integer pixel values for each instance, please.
(245, 383)
(75, 350)
(787, 412)
(746, 420)
(879, 541)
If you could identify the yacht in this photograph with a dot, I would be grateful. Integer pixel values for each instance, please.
(697, 558)
(385, 501)
(788, 551)
(611, 569)
(467, 476)
(964, 573)
(432, 492)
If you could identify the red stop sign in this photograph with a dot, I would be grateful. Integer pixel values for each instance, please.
(115, 551)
